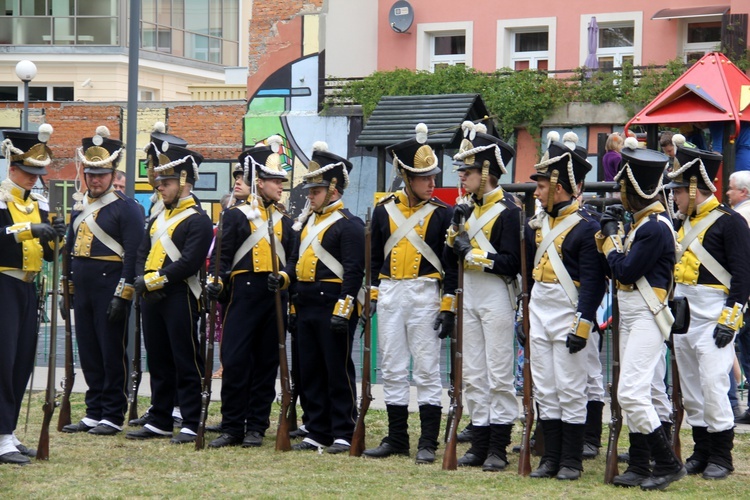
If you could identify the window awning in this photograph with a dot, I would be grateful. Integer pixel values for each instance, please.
(688, 12)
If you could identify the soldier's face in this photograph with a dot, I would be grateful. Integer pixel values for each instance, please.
(470, 179)
(22, 178)
(241, 190)
(317, 196)
(271, 189)
(681, 198)
(422, 186)
(542, 190)
(169, 190)
(98, 183)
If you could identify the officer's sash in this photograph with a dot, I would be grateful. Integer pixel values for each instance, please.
(549, 235)
(259, 233)
(405, 229)
(691, 241)
(162, 235)
(88, 215)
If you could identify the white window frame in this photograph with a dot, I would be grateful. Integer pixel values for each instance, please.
(704, 47)
(506, 32)
(614, 18)
(426, 32)
(50, 87)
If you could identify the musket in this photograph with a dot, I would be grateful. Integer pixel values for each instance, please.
(63, 418)
(358, 438)
(282, 431)
(204, 304)
(678, 411)
(208, 368)
(40, 309)
(137, 372)
(42, 452)
(615, 423)
(450, 462)
(524, 460)
(451, 392)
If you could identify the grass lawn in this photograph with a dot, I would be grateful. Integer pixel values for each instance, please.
(88, 466)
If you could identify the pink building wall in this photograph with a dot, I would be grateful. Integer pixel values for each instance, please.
(659, 37)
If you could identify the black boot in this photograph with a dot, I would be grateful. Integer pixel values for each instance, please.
(397, 440)
(477, 454)
(497, 454)
(720, 459)
(429, 417)
(465, 435)
(697, 462)
(638, 469)
(571, 460)
(592, 439)
(667, 426)
(667, 468)
(550, 463)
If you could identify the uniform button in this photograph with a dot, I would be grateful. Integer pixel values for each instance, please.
(414, 267)
(394, 268)
(413, 275)
(257, 269)
(321, 293)
(256, 260)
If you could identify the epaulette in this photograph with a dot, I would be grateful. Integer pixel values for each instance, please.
(386, 199)
(508, 201)
(438, 202)
(41, 200)
(345, 213)
(120, 195)
(586, 215)
(723, 208)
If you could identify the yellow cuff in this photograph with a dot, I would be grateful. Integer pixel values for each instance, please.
(344, 307)
(124, 290)
(733, 318)
(478, 257)
(22, 231)
(581, 327)
(448, 303)
(285, 280)
(154, 281)
(612, 244)
(210, 279)
(374, 293)
(599, 238)
(450, 236)
(292, 309)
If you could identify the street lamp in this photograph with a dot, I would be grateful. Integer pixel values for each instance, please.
(26, 71)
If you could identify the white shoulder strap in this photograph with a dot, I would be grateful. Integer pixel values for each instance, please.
(405, 229)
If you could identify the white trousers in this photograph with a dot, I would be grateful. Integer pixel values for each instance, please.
(704, 368)
(406, 313)
(641, 351)
(559, 377)
(488, 352)
(594, 376)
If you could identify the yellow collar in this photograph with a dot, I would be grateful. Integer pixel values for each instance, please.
(568, 209)
(403, 197)
(332, 207)
(655, 208)
(13, 190)
(493, 196)
(709, 204)
(91, 199)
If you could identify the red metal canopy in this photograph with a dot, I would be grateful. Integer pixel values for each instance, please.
(710, 91)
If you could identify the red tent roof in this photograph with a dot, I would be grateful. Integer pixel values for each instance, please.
(709, 91)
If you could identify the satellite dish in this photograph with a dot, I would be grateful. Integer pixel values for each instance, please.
(401, 16)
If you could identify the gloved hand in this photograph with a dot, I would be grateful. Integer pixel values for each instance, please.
(275, 281)
(610, 221)
(520, 334)
(462, 245)
(155, 296)
(339, 325)
(461, 212)
(723, 336)
(292, 324)
(445, 323)
(43, 231)
(362, 319)
(139, 286)
(213, 290)
(118, 309)
(574, 343)
(58, 224)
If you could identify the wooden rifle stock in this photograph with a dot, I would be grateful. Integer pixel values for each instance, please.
(358, 438)
(42, 452)
(136, 373)
(450, 461)
(524, 460)
(63, 418)
(678, 411)
(283, 442)
(615, 423)
(209, 348)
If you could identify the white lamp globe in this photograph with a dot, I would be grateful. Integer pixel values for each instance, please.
(26, 70)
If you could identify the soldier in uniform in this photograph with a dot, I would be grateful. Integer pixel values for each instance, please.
(713, 272)
(327, 271)
(490, 249)
(568, 286)
(169, 261)
(27, 239)
(642, 263)
(249, 348)
(408, 235)
(102, 242)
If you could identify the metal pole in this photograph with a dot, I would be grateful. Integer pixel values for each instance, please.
(25, 105)
(134, 41)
